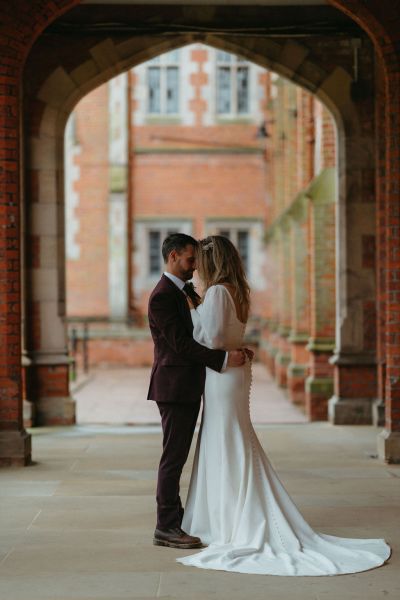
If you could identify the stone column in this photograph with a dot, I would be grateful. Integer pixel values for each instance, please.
(119, 110)
(355, 354)
(269, 340)
(319, 383)
(300, 326)
(47, 374)
(282, 357)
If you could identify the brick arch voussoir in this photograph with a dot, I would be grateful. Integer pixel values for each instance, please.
(62, 88)
(23, 21)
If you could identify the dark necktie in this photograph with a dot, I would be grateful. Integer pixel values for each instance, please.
(189, 290)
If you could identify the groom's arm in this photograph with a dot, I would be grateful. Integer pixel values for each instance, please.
(164, 314)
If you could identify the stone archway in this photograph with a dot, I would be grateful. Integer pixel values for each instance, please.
(48, 119)
(51, 98)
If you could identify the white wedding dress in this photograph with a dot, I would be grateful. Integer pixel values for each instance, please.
(236, 503)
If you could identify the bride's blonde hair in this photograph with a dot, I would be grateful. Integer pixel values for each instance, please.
(219, 262)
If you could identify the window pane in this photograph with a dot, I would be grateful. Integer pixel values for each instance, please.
(243, 90)
(154, 90)
(154, 252)
(223, 90)
(155, 60)
(172, 90)
(225, 233)
(243, 247)
(224, 56)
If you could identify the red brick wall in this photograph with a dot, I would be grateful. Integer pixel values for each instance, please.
(199, 186)
(87, 278)
(212, 179)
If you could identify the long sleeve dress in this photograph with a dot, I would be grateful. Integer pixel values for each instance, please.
(236, 502)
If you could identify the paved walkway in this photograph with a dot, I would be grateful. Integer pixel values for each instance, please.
(78, 524)
(118, 396)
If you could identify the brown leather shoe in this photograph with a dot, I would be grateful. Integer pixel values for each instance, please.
(176, 538)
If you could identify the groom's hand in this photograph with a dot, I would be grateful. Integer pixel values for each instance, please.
(236, 358)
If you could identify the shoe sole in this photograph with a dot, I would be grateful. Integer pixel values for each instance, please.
(175, 545)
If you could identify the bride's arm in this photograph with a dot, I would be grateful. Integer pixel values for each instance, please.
(210, 319)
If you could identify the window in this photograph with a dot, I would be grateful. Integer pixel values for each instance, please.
(154, 252)
(163, 84)
(155, 239)
(240, 238)
(232, 84)
(243, 247)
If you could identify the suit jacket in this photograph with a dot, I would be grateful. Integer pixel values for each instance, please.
(178, 373)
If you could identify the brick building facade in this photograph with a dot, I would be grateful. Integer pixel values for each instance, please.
(216, 145)
(194, 165)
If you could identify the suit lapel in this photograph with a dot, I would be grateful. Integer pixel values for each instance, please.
(183, 305)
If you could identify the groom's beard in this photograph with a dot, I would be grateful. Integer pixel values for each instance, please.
(186, 275)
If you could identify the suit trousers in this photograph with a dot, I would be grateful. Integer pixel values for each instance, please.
(178, 424)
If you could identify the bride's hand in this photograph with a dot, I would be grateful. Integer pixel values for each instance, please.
(250, 353)
(236, 358)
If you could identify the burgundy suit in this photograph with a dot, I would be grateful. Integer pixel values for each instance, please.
(176, 384)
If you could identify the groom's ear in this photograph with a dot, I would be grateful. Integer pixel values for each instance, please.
(173, 255)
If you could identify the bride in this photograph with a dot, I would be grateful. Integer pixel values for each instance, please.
(236, 502)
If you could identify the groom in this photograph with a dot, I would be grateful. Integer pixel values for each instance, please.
(177, 381)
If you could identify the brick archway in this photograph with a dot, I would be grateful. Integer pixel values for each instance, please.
(14, 443)
(51, 95)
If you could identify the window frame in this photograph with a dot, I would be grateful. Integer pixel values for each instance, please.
(235, 63)
(164, 62)
(234, 230)
(163, 231)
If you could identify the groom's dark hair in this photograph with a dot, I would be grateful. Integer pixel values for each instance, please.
(178, 242)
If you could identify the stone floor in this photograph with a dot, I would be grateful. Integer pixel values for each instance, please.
(118, 396)
(78, 524)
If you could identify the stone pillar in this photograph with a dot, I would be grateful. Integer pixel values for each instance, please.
(282, 357)
(355, 354)
(47, 375)
(119, 111)
(269, 339)
(300, 322)
(319, 383)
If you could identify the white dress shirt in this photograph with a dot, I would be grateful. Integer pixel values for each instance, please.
(181, 284)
